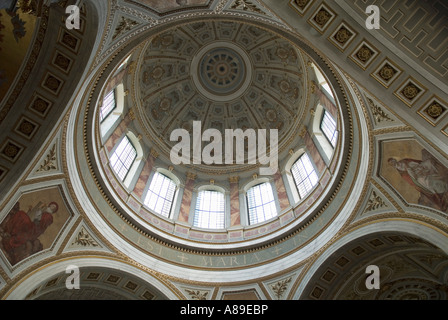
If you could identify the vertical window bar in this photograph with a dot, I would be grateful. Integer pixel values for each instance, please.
(261, 203)
(328, 127)
(210, 210)
(109, 104)
(304, 174)
(123, 157)
(160, 194)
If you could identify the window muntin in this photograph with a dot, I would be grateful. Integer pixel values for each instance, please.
(261, 203)
(304, 174)
(109, 104)
(123, 158)
(160, 194)
(210, 210)
(328, 127)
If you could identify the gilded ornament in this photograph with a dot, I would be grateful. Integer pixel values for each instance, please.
(191, 176)
(28, 6)
(62, 62)
(234, 179)
(40, 105)
(52, 83)
(50, 161)
(434, 110)
(410, 91)
(165, 104)
(343, 35)
(280, 287)
(387, 72)
(246, 5)
(26, 127)
(322, 17)
(84, 239)
(364, 53)
(301, 3)
(197, 295)
(377, 112)
(374, 202)
(271, 115)
(123, 26)
(154, 153)
(11, 150)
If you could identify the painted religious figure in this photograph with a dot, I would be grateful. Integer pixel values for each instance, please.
(33, 224)
(20, 230)
(428, 176)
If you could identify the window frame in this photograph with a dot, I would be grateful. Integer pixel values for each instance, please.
(307, 191)
(110, 111)
(128, 169)
(150, 193)
(272, 203)
(327, 115)
(198, 213)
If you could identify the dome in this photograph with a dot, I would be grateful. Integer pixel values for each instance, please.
(205, 90)
(223, 75)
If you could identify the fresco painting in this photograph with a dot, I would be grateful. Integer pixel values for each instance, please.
(415, 173)
(32, 224)
(16, 32)
(168, 5)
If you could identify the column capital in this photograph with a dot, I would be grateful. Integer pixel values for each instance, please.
(153, 153)
(131, 114)
(191, 176)
(234, 179)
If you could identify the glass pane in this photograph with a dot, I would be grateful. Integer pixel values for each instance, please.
(108, 106)
(210, 210)
(260, 203)
(160, 194)
(304, 175)
(328, 127)
(123, 157)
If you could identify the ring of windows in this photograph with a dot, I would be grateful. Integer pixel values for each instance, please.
(210, 208)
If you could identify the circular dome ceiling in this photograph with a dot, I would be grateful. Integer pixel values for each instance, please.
(226, 75)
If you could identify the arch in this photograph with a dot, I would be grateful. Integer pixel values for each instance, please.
(42, 275)
(410, 227)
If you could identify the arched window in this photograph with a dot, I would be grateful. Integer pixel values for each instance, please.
(322, 81)
(123, 157)
(210, 210)
(109, 104)
(304, 174)
(328, 127)
(111, 110)
(160, 194)
(261, 203)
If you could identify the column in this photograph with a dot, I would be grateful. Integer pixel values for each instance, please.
(314, 152)
(187, 197)
(146, 172)
(281, 191)
(325, 100)
(235, 218)
(115, 81)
